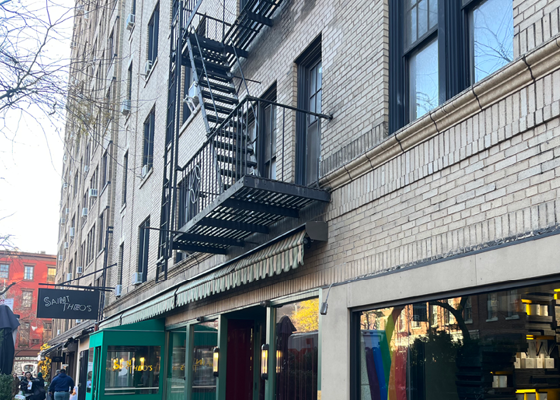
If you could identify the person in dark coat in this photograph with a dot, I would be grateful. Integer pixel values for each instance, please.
(30, 387)
(15, 385)
(41, 387)
(61, 386)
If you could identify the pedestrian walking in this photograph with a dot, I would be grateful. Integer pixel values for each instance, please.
(61, 386)
(15, 385)
(31, 388)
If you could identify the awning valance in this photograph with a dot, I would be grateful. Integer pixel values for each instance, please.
(152, 308)
(282, 256)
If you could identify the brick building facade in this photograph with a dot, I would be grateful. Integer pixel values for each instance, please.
(423, 136)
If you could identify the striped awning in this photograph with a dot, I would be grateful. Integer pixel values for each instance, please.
(282, 256)
(150, 309)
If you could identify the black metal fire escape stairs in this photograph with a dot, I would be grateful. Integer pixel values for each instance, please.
(230, 201)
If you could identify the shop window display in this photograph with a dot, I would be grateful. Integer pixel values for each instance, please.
(297, 333)
(204, 381)
(176, 369)
(496, 345)
(132, 370)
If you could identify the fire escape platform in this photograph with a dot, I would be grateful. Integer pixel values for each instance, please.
(249, 206)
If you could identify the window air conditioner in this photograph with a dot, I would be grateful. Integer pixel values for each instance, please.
(60, 257)
(80, 270)
(84, 212)
(86, 168)
(137, 278)
(144, 171)
(69, 276)
(93, 193)
(148, 67)
(62, 220)
(130, 21)
(125, 107)
(65, 245)
(67, 211)
(71, 232)
(118, 290)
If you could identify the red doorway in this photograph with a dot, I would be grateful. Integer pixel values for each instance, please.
(240, 363)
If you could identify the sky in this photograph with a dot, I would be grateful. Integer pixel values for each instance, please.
(31, 151)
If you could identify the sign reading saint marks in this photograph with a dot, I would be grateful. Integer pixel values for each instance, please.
(67, 304)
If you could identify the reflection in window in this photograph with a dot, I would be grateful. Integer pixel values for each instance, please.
(491, 37)
(176, 370)
(421, 16)
(423, 80)
(513, 305)
(297, 332)
(132, 370)
(89, 382)
(205, 339)
(456, 361)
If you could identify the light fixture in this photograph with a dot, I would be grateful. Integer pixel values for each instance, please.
(325, 304)
(264, 361)
(216, 360)
(278, 361)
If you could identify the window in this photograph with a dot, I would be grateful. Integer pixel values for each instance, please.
(310, 73)
(26, 298)
(24, 334)
(129, 83)
(4, 271)
(51, 275)
(144, 248)
(440, 48)
(132, 370)
(28, 273)
(189, 196)
(125, 178)
(120, 264)
(90, 254)
(35, 342)
(513, 304)
(76, 180)
(454, 361)
(188, 82)
(104, 170)
(101, 232)
(492, 307)
(153, 28)
(148, 153)
(47, 331)
(267, 147)
(111, 48)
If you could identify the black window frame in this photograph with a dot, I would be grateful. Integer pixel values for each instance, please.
(153, 33)
(454, 58)
(309, 59)
(125, 178)
(267, 127)
(143, 248)
(148, 145)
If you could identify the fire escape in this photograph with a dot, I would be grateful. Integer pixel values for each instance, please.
(228, 190)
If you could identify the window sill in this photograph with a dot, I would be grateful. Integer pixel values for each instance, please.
(468, 321)
(513, 317)
(149, 74)
(495, 319)
(189, 120)
(145, 178)
(104, 187)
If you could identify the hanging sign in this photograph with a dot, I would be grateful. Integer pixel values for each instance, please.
(67, 304)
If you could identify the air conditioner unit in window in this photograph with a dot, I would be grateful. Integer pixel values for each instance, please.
(148, 67)
(65, 245)
(93, 193)
(72, 232)
(65, 186)
(60, 257)
(130, 21)
(84, 212)
(137, 278)
(118, 290)
(191, 99)
(67, 211)
(69, 276)
(86, 168)
(125, 107)
(144, 171)
(80, 270)
(62, 220)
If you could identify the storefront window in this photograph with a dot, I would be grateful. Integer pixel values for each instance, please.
(205, 340)
(176, 371)
(297, 334)
(89, 382)
(132, 370)
(499, 345)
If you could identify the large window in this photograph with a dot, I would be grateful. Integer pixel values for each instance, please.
(4, 271)
(144, 248)
(310, 77)
(26, 299)
(28, 273)
(148, 151)
(205, 339)
(176, 367)
(297, 338)
(153, 30)
(132, 370)
(479, 352)
(439, 48)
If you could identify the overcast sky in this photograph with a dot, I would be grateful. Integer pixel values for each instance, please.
(31, 152)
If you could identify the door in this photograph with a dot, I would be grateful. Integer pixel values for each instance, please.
(83, 374)
(240, 362)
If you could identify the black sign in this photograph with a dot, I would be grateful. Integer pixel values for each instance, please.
(67, 304)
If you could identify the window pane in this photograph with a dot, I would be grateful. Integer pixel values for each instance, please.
(132, 370)
(405, 355)
(423, 75)
(491, 26)
(422, 17)
(411, 26)
(205, 339)
(297, 334)
(176, 371)
(433, 13)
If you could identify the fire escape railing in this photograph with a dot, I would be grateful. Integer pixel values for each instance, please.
(236, 149)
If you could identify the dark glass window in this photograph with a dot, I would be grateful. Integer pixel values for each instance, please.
(479, 351)
(125, 178)
(148, 151)
(153, 30)
(144, 248)
(189, 195)
(439, 48)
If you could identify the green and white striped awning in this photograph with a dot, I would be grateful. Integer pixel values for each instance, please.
(150, 309)
(282, 256)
